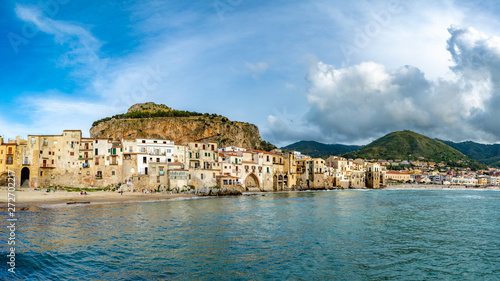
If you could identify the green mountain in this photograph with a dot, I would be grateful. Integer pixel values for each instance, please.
(407, 145)
(488, 154)
(316, 149)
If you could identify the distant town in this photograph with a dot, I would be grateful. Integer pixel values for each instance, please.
(158, 165)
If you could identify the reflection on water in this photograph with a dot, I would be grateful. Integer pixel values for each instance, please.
(383, 234)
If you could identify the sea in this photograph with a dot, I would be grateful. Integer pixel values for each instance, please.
(317, 235)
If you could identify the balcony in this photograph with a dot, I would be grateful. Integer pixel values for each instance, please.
(85, 158)
(157, 154)
(85, 165)
(47, 166)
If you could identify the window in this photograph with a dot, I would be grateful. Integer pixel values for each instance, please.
(41, 151)
(157, 160)
(164, 142)
(44, 141)
(41, 173)
(189, 176)
(268, 169)
(9, 160)
(201, 176)
(112, 173)
(97, 160)
(155, 142)
(213, 175)
(72, 144)
(203, 146)
(157, 179)
(96, 151)
(73, 134)
(144, 160)
(32, 140)
(195, 145)
(143, 149)
(143, 141)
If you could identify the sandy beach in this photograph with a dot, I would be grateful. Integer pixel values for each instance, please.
(32, 199)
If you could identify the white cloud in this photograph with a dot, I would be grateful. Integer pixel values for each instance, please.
(52, 115)
(257, 68)
(82, 47)
(367, 100)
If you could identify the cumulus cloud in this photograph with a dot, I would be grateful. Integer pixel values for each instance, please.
(361, 102)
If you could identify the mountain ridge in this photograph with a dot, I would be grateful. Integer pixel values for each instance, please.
(453, 152)
(316, 149)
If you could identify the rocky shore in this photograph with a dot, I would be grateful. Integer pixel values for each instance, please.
(207, 191)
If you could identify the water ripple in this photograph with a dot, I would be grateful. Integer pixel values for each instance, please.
(345, 235)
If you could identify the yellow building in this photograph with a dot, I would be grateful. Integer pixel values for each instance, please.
(398, 176)
(11, 160)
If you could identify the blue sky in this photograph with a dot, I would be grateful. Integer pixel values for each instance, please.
(330, 71)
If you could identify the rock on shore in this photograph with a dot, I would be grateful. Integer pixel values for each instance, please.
(207, 191)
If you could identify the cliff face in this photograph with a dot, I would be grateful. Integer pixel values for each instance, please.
(180, 129)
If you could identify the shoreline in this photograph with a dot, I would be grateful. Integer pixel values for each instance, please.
(33, 199)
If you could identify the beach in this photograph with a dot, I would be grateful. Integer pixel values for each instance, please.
(32, 199)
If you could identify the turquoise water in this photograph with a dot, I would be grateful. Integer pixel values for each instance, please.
(341, 235)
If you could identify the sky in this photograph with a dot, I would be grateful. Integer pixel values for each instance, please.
(329, 71)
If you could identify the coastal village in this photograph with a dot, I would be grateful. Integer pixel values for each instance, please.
(159, 165)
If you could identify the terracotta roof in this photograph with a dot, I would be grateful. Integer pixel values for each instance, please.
(396, 173)
(265, 152)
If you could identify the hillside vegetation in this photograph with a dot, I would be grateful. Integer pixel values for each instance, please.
(488, 154)
(407, 145)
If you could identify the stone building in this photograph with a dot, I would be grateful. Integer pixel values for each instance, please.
(204, 163)
(373, 172)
